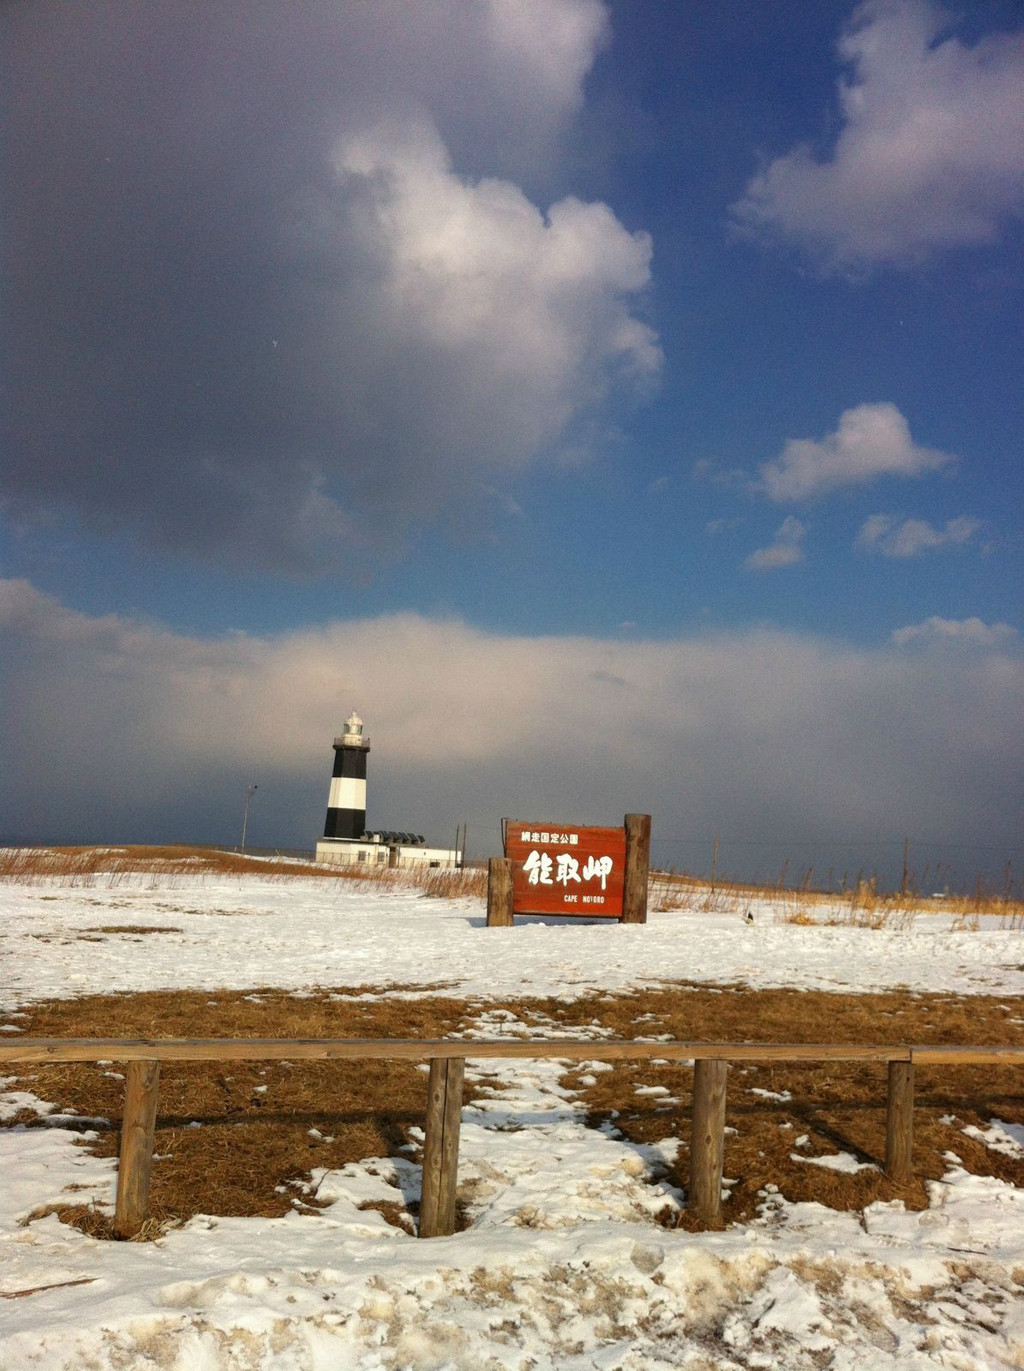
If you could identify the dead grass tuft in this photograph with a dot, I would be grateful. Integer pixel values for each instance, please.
(395, 1215)
(96, 1222)
(133, 929)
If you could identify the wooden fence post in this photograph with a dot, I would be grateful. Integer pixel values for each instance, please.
(441, 1147)
(499, 892)
(138, 1129)
(707, 1140)
(638, 857)
(899, 1123)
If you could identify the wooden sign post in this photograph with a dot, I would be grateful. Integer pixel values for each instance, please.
(638, 859)
(572, 870)
(499, 893)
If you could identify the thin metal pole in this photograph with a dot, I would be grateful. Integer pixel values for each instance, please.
(249, 790)
(906, 866)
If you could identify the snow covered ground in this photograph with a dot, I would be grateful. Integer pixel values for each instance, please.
(564, 1264)
(240, 932)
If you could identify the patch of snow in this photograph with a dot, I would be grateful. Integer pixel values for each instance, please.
(12, 1102)
(836, 1161)
(1007, 1138)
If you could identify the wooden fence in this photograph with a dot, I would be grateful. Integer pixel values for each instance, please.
(447, 1058)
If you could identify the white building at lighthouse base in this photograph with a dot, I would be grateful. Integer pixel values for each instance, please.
(381, 849)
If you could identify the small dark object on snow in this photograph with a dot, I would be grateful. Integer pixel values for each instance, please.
(750, 916)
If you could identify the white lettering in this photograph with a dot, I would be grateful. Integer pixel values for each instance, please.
(538, 868)
(598, 867)
(568, 869)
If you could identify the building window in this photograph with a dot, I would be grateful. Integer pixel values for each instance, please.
(381, 857)
(361, 857)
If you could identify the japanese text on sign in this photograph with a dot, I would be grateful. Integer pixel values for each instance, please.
(563, 869)
(543, 836)
(538, 868)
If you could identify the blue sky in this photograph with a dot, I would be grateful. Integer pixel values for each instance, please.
(646, 333)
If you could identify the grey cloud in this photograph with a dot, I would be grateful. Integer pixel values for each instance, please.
(227, 336)
(117, 730)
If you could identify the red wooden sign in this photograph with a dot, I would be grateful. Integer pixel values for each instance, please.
(566, 868)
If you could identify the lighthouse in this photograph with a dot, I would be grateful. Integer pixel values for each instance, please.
(346, 839)
(346, 805)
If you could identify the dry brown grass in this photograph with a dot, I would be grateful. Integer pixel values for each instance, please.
(254, 1140)
(839, 1106)
(448, 883)
(70, 866)
(83, 866)
(860, 905)
(233, 1137)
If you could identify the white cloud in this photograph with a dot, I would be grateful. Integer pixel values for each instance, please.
(522, 315)
(118, 729)
(784, 551)
(871, 440)
(930, 154)
(882, 533)
(973, 632)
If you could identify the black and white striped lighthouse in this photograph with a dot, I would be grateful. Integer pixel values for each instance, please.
(346, 807)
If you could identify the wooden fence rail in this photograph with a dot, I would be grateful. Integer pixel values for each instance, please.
(447, 1058)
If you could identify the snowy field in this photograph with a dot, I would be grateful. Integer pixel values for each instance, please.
(564, 1264)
